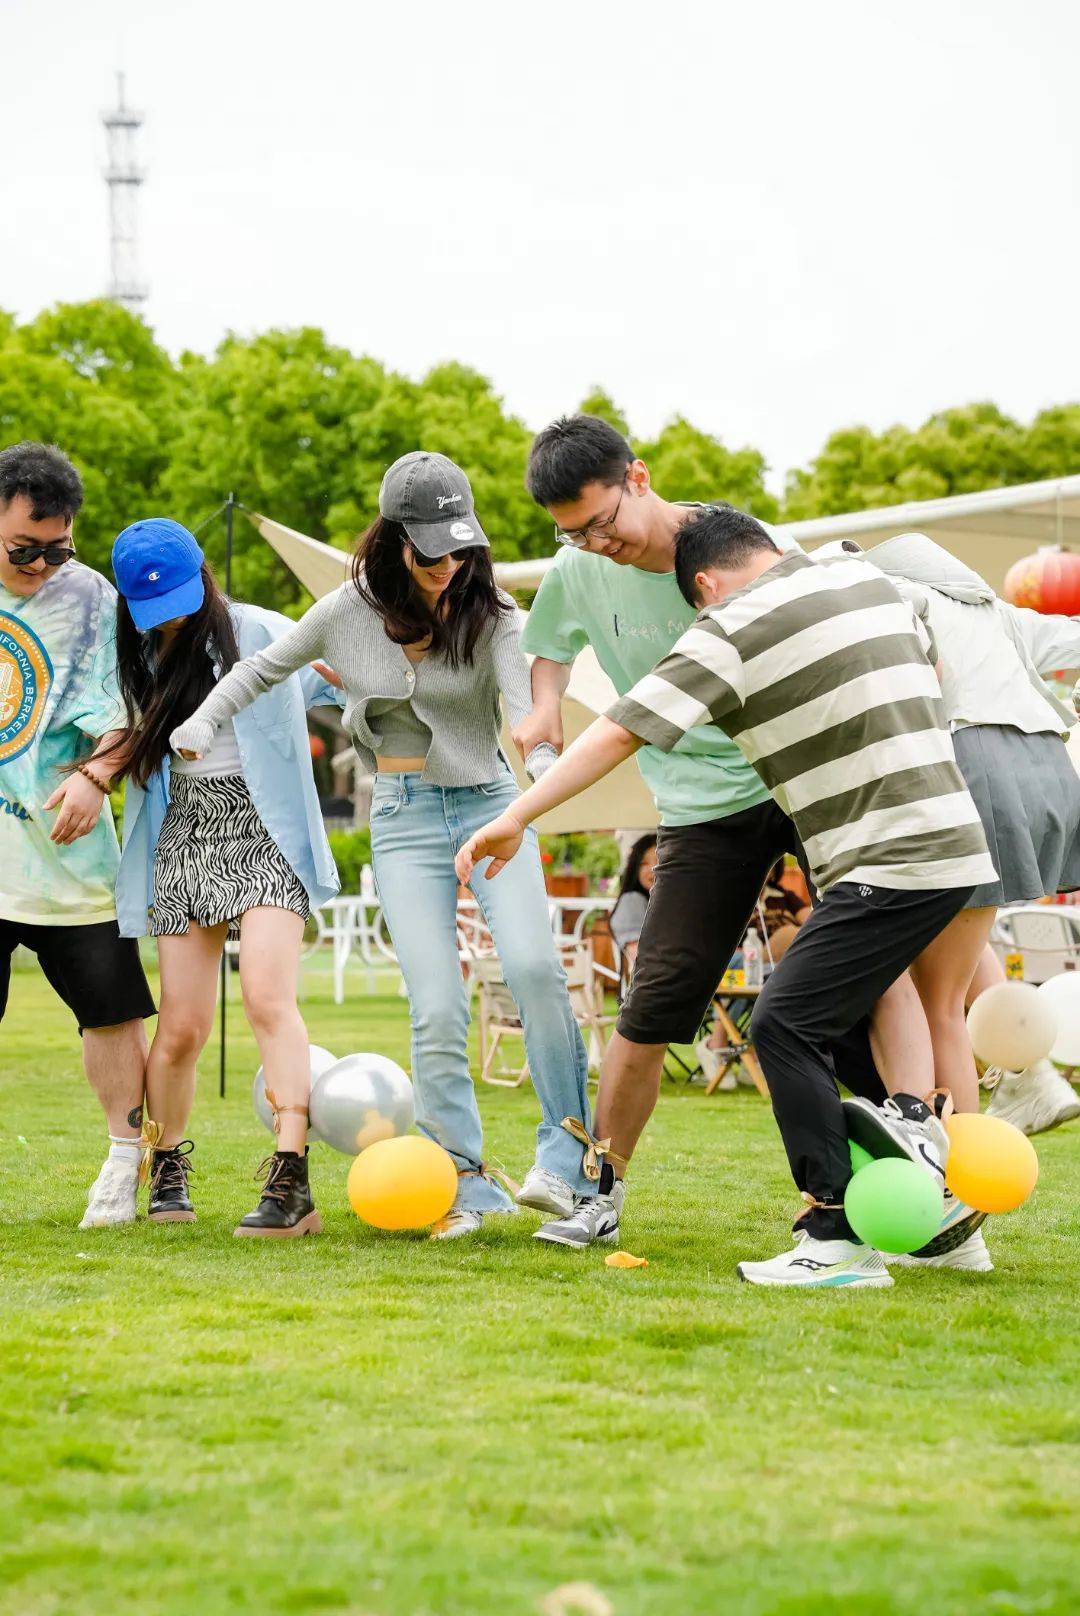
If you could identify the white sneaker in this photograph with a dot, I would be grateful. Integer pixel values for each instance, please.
(457, 1222)
(1036, 1100)
(820, 1265)
(546, 1192)
(111, 1199)
(711, 1062)
(972, 1255)
(885, 1130)
(595, 1217)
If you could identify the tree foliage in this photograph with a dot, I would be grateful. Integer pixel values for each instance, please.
(956, 451)
(302, 429)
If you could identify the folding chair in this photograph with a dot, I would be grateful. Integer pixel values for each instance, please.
(1045, 936)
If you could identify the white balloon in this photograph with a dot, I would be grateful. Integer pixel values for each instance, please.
(1012, 1025)
(321, 1060)
(360, 1100)
(1062, 993)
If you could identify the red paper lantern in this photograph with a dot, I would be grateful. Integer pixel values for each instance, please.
(1047, 582)
(316, 745)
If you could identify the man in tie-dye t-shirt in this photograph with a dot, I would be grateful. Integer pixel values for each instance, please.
(58, 849)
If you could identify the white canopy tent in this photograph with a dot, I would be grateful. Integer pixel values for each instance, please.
(621, 802)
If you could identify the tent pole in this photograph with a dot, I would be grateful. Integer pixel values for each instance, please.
(229, 506)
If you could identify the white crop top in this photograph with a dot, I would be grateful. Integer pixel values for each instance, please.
(222, 758)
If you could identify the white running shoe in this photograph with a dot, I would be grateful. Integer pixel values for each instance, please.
(711, 1062)
(458, 1221)
(546, 1192)
(971, 1255)
(890, 1130)
(1035, 1100)
(820, 1265)
(595, 1217)
(111, 1200)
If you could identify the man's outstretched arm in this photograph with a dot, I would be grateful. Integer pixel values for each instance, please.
(602, 747)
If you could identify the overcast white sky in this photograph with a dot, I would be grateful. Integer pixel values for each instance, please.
(773, 218)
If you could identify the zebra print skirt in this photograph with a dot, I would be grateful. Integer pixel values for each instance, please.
(216, 859)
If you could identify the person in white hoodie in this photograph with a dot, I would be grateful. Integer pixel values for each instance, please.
(1009, 733)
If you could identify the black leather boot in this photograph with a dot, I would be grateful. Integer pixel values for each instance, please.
(170, 1201)
(286, 1208)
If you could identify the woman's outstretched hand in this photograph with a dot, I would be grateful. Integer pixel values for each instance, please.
(498, 841)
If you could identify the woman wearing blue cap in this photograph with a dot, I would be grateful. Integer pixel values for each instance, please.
(424, 644)
(234, 838)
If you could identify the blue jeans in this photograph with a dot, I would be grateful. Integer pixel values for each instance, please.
(416, 830)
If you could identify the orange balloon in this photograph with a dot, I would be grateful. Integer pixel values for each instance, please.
(992, 1166)
(403, 1183)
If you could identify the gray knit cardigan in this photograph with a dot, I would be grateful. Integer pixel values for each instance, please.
(460, 706)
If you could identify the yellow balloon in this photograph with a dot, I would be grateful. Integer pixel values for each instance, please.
(403, 1183)
(992, 1166)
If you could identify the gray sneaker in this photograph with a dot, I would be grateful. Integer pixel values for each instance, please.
(595, 1217)
(902, 1126)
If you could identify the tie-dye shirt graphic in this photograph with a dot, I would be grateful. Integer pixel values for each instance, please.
(58, 690)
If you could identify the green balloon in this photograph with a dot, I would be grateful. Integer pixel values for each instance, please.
(859, 1157)
(894, 1205)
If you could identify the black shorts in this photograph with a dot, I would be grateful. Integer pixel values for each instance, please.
(96, 972)
(708, 878)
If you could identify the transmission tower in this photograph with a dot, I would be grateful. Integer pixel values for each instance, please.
(123, 176)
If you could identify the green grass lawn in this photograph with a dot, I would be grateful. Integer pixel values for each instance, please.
(378, 1425)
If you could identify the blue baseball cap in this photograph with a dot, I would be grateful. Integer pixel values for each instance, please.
(157, 565)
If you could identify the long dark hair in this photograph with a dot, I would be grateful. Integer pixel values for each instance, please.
(470, 602)
(631, 876)
(162, 684)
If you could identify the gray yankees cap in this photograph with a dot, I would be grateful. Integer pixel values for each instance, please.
(433, 501)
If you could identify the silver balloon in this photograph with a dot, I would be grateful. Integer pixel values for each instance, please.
(321, 1061)
(360, 1100)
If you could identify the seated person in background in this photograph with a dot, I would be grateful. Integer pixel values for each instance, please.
(784, 913)
(628, 915)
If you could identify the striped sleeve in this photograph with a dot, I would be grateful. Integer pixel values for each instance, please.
(698, 682)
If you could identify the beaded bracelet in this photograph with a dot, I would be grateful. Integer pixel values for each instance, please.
(82, 769)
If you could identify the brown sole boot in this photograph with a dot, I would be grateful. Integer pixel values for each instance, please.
(170, 1217)
(312, 1224)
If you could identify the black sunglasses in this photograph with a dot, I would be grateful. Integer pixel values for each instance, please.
(22, 555)
(433, 561)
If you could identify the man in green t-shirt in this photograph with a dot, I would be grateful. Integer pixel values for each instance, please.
(613, 586)
(58, 849)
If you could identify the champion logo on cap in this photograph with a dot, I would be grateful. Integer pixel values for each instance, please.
(460, 530)
(152, 577)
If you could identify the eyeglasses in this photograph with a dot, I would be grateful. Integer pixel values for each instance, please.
(54, 555)
(578, 538)
(433, 561)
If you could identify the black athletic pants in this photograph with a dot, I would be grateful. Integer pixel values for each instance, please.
(854, 945)
(708, 879)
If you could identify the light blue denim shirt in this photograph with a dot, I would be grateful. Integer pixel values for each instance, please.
(272, 739)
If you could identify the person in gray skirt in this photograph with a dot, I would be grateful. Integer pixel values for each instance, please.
(1009, 733)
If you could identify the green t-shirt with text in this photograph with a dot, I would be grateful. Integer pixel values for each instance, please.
(632, 619)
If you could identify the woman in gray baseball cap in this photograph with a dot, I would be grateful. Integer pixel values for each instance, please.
(424, 644)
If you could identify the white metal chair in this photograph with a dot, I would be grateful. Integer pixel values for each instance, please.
(1046, 936)
(499, 1017)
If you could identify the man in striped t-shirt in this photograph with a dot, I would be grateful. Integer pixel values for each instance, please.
(824, 678)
